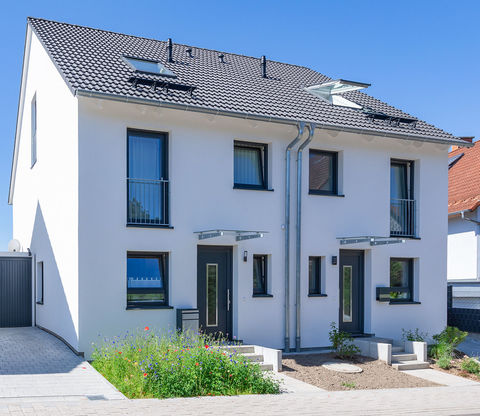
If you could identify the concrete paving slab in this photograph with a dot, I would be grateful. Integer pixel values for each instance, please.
(35, 365)
(442, 378)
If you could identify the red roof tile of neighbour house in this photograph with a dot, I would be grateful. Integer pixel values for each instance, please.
(464, 179)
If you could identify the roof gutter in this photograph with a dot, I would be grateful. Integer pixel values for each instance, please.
(260, 117)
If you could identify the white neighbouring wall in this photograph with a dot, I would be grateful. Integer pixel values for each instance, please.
(70, 209)
(45, 200)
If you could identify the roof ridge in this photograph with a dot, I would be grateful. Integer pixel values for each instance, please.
(29, 18)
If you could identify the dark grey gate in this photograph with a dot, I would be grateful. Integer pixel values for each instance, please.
(15, 291)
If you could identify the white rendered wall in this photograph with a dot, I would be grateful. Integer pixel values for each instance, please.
(462, 249)
(46, 196)
(201, 175)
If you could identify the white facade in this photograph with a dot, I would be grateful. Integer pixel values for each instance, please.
(70, 210)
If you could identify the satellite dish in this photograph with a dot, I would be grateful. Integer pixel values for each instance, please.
(14, 246)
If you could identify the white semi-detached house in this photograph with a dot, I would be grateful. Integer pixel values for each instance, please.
(150, 177)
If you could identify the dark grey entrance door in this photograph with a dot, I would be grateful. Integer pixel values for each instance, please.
(15, 291)
(351, 291)
(214, 289)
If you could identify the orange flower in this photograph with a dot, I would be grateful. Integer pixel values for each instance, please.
(144, 374)
(119, 352)
(206, 346)
(147, 328)
(139, 350)
(196, 364)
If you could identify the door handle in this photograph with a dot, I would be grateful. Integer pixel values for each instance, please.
(228, 300)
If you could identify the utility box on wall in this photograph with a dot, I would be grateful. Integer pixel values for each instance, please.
(188, 320)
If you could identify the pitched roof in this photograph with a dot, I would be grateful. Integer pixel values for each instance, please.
(464, 179)
(91, 60)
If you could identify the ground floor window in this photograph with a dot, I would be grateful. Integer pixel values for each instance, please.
(39, 283)
(147, 280)
(260, 274)
(401, 279)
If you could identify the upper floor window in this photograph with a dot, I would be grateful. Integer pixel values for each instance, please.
(34, 130)
(147, 281)
(250, 165)
(147, 178)
(323, 172)
(260, 264)
(146, 65)
(402, 202)
(401, 279)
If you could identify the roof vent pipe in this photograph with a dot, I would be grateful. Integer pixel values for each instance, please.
(264, 66)
(300, 127)
(221, 57)
(169, 50)
(311, 132)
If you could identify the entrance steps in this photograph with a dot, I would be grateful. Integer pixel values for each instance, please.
(269, 359)
(405, 355)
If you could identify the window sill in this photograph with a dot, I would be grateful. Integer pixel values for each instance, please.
(168, 227)
(325, 194)
(266, 295)
(317, 295)
(129, 308)
(405, 237)
(251, 188)
(407, 302)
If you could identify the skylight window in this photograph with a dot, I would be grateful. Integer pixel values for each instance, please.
(329, 91)
(151, 67)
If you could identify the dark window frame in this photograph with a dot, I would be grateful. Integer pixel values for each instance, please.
(165, 268)
(263, 147)
(42, 282)
(334, 191)
(317, 277)
(33, 128)
(164, 175)
(410, 171)
(410, 287)
(264, 276)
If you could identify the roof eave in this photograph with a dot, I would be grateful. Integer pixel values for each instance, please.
(260, 117)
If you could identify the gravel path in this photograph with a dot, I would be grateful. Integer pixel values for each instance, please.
(376, 374)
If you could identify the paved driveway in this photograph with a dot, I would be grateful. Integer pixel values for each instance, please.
(471, 345)
(35, 365)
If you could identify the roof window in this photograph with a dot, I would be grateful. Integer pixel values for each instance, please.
(148, 66)
(329, 91)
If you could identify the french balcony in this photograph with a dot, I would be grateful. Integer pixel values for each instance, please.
(403, 214)
(147, 202)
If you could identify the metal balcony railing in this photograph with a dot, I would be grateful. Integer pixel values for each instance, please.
(403, 217)
(147, 202)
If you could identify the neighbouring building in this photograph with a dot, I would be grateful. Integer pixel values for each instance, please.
(463, 234)
(150, 176)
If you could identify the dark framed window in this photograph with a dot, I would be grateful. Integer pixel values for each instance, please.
(33, 131)
(402, 203)
(260, 265)
(401, 279)
(323, 172)
(147, 280)
(250, 165)
(401, 179)
(314, 275)
(39, 284)
(147, 178)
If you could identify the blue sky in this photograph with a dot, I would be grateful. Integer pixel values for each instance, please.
(421, 56)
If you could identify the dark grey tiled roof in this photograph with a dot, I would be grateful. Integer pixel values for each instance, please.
(91, 60)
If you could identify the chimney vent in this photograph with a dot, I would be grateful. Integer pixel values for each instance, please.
(221, 57)
(169, 50)
(189, 51)
(468, 139)
(264, 66)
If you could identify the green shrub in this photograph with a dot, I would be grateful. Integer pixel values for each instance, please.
(414, 335)
(342, 343)
(444, 362)
(471, 366)
(144, 364)
(446, 341)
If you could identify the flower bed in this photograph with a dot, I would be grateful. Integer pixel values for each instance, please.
(145, 364)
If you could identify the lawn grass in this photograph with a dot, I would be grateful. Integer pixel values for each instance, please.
(147, 364)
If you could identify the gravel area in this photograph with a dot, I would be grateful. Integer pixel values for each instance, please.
(376, 374)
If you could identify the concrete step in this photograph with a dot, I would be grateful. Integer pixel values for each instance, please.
(410, 365)
(403, 357)
(253, 357)
(266, 367)
(397, 348)
(240, 349)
